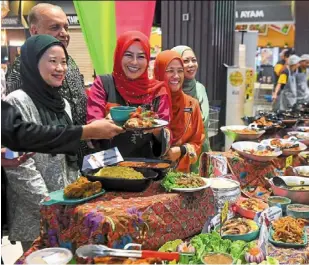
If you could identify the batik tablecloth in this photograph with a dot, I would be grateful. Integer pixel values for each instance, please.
(247, 171)
(150, 218)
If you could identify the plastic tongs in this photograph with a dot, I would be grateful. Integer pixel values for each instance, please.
(91, 251)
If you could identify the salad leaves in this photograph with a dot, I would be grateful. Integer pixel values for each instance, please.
(212, 242)
(181, 180)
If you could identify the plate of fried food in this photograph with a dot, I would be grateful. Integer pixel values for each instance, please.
(142, 120)
(287, 146)
(239, 229)
(242, 132)
(80, 191)
(178, 181)
(288, 232)
(249, 207)
(255, 151)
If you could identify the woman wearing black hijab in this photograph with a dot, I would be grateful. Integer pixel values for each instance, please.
(43, 68)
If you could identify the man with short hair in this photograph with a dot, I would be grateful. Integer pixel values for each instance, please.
(50, 19)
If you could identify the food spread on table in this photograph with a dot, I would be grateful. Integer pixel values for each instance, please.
(182, 180)
(119, 172)
(263, 122)
(258, 192)
(239, 226)
(210, 247)
(144, 164)
(141, 119)
(218, 258)
(299, 208)
(119, 260)
(244, 131)
(285, 145)
(82, 188)
(289, 230)
(253, 204)
(264, 152)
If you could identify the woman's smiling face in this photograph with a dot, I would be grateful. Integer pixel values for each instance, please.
(190, 64)
(174, 75)
(53, 66)
(134, 61)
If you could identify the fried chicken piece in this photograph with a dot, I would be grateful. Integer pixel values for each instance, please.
(82, 188)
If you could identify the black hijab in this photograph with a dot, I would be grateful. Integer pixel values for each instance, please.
(47, 99)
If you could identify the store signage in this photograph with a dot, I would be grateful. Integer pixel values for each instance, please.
(250, 14)
(73, 20)
(257, 11)
(10, 22)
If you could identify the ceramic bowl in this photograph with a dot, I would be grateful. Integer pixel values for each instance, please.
(298, 210)
(121, 113)
(282, 201)
(245, 237)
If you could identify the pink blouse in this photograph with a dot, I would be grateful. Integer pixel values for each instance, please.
(97, 101)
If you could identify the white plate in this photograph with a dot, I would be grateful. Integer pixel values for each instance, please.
(207, 182)
(302, 169)
(303, 129)
(239, 147)
(303, 137)
(229, 131)
(286, 152)
(160, 124)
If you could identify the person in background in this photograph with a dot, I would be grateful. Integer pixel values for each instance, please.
(280, 66)
(50, 19)
(186, 124)
(194, 89)
(130, 85)
(43, 68)
(285, 94)
(302, 79)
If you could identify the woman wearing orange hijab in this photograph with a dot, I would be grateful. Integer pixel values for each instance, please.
(129, 85)
(187, 124)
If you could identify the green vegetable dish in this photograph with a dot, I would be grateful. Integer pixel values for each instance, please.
(181, 180)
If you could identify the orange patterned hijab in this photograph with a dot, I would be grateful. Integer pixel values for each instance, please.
(178, 98)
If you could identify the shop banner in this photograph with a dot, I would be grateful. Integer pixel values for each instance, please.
(256, 12)
(102, 21)
(135, 15)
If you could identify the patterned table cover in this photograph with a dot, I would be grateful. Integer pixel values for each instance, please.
(115, 219)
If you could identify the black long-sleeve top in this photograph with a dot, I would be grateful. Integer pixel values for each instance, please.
(30, 137)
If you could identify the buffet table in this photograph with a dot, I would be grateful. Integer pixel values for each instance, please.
(249, 172)
(150, 218)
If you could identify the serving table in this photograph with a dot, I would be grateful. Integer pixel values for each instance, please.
(254, 173)
(115, 219)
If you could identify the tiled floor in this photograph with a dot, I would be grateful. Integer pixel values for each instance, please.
(10, 253)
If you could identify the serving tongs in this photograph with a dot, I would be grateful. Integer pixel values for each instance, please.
(91, 251)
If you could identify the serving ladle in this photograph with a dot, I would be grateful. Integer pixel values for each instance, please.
(279, 182)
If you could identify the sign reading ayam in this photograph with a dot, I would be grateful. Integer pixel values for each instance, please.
(249, 14)
(270, 12)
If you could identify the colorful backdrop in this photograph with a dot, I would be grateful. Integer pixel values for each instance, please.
(102, 21)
